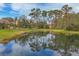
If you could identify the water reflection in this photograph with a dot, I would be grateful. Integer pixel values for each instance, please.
(66, 45)
(29, 44)
(42, 44)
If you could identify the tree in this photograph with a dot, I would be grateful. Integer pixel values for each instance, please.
(50, 18)
(66, 9)
(54, 15)
(44, 14)
(35, 14)
(24, 22)
(57, 15)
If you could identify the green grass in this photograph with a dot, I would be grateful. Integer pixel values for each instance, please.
(9, 33)
(6, 33)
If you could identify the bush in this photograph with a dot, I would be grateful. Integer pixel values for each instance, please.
(73, 27)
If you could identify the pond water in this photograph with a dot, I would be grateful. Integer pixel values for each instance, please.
(41, 44)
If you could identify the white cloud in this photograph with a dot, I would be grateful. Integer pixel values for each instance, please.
(2, 5)
(16, 6)
(77, 8)
(22, 7)
(20, 50)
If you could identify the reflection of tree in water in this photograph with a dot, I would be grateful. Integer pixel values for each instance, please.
(66, 44)
(37, 44)
(37, 41)
(62, 44)
(22, 40)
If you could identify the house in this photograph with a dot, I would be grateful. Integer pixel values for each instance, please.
(5, 23)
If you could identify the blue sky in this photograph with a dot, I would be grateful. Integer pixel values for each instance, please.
(17, 9)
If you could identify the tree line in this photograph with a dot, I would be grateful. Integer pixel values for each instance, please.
(64, 18)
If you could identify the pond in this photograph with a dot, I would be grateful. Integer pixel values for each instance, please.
(41, 44)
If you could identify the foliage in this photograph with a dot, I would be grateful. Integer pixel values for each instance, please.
(55, 19)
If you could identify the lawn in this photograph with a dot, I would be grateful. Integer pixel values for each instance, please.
(7, 33)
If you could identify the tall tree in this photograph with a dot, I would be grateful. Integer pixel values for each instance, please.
(44, 14)
(50, 18)
(35, 14)
(66, 9)
(44, 18)
(57, 15)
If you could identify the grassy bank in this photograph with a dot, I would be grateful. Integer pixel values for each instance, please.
(6, 34)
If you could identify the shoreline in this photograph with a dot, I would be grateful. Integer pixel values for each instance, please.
(17, 33)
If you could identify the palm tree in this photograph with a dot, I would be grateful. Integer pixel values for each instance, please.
(66, 9)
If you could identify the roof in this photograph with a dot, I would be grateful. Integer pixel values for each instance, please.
(6, 21)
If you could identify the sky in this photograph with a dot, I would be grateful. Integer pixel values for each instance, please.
(18, 9)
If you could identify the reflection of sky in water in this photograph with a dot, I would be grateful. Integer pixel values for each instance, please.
(36, 45)
(13, 48)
